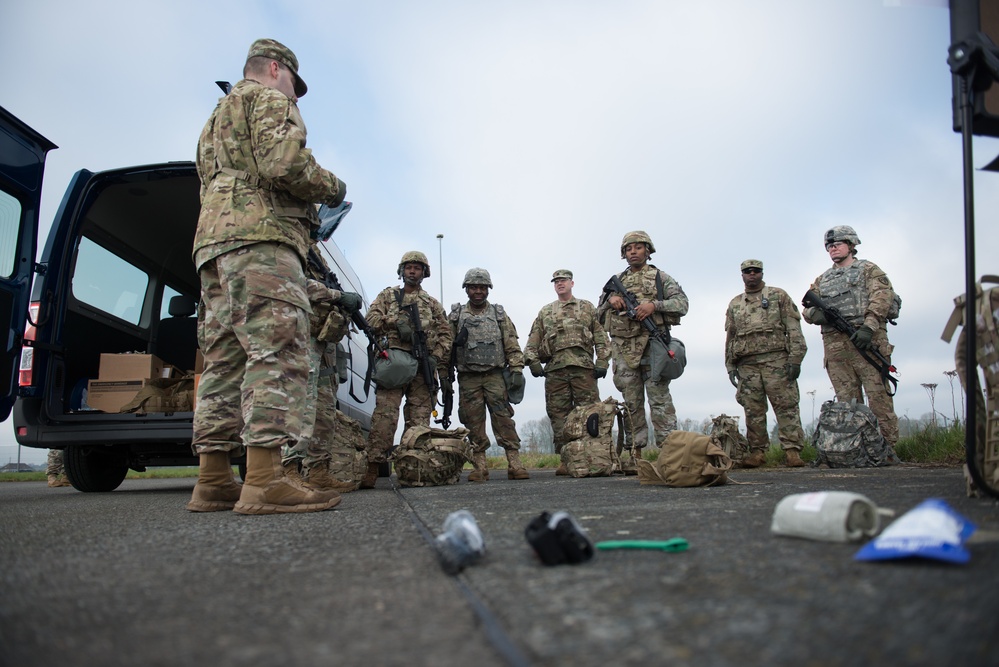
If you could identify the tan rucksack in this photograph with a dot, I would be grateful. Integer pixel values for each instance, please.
(687, 459)
(725, 430)
(591, 451)
(431, 456)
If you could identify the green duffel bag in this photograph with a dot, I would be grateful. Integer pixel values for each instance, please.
(393, 369)
(667, 363)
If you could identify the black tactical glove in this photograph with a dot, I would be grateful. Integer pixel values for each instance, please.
(861, 338)
(793, 371)
(599, 372)
(733, 377)
(537, 370)
(405, 327)
(350, 301)
(818, 316)
(516, 381)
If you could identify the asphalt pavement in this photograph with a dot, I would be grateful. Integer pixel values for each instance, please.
(131, 578)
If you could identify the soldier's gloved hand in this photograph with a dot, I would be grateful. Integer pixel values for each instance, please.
(405, 327)
(350, 301)
(793, 371)
(733, 377)
(599, 372)
(537, 370)
(861, 338)
(516, 381)
(818, 316)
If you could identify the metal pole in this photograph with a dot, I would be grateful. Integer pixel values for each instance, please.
(440, 256)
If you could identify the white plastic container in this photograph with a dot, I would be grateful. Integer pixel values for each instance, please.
(829, 516)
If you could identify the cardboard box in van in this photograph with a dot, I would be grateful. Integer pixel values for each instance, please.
(112, 395)
(130, 366)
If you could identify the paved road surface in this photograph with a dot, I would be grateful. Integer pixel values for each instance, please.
(130, 578)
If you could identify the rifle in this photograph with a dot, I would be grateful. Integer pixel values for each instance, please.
(631, 303)
(664, 363)
(447, 389)
(421, 352)
(872, 356)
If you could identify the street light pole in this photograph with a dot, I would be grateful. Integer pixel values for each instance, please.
(440, 256)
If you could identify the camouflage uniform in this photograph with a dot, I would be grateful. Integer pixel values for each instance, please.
(564, 337)
(863, 295)
(761, 340)
(55, 472)
(383, 317)
(480, 363)
(630, 345)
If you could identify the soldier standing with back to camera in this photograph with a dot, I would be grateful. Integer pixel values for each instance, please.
(764, 347)
(662, 299)
(863, 295)
(259, 187)
(565, 336)
(390, 322)
(485, 345)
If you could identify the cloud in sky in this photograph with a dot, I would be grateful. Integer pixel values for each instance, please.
(534, 135)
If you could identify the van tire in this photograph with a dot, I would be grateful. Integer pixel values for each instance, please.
(94, 469)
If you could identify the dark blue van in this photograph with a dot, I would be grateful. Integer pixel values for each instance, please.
(115, 276)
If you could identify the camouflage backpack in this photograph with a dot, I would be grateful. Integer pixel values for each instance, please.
(725, 430)
(848, 436)
(349, 461)
(687, 459)
(431, 456)
(591, 451)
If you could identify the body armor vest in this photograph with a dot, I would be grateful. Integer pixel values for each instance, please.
(643, 285)
(844, 290)
(758, 330)
(484, 348)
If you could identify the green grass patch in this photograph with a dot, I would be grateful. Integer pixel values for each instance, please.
(933, 445)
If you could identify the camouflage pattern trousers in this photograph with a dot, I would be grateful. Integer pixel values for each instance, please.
(768, 380)
(253, 330)
(315, 442)
(478, 392)
(54, 463)
(565, 389)
(634, 384)
(385, 418)
(852, 377)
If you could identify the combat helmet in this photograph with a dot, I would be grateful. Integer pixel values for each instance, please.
(637, 236)
(841, 233)
(416, 257)
(477, 276)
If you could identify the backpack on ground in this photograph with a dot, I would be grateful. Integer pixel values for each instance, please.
(348, 460)
(591, 451)
(848, 436)
(431, 456)
(725, 430)
(687, 459)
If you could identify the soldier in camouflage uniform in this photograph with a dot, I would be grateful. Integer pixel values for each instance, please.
(565, 336)
(259, 187)
(395, 328)
(486, 346)
(662, 299)
(764, 347)
(328, 324)
(863, 295)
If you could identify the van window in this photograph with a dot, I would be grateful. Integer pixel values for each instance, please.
(105, 281)
(168, 293)
(10, 218)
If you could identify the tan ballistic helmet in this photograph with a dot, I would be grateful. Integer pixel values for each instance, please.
(477, 276)
(637, 237)
(841, 233)
(275, 50)
(417, 257)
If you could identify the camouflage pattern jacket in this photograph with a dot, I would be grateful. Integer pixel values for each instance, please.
(861, 292)
(492, 339)
(628, 336)
(756, 333)
(385, 313)
(258, 180)
(567, 334)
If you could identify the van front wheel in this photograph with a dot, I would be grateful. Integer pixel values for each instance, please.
(94, 469)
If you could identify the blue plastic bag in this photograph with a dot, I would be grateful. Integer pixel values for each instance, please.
(930, 530)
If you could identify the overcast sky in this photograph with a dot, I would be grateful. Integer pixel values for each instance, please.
(533, 135)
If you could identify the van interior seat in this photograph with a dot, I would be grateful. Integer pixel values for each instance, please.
(177, 335)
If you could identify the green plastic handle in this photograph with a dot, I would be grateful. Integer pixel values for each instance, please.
(673, 545)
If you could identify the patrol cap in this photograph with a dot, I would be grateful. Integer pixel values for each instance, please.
(275, 50)
(562, 273)
(751, 264)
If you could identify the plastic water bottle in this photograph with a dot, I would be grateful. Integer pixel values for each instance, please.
(460, 543)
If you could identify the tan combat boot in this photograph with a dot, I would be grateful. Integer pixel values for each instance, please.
(793, 459)
(55, 481)
(319, 477)
(481, 468)
(269, 490)
(561, 470)
(216, 490)
(515, 469)
(370, 476)
(757, 458)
